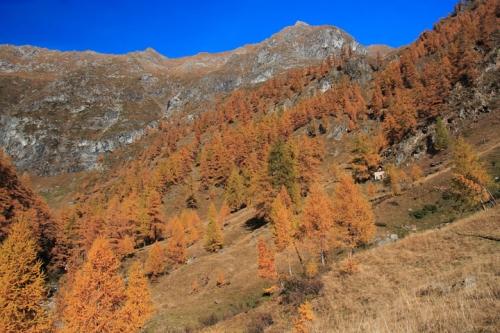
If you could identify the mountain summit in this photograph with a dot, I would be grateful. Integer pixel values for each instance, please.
(82, 104)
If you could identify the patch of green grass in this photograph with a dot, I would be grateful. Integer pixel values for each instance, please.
(426, 210)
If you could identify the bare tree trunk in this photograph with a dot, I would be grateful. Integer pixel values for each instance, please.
(289, 264)
(482, 204)
(492, 198)
(299, 256)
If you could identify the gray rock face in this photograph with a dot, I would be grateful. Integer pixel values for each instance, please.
(60, 110)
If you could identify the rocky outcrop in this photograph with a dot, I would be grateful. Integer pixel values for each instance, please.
(60, 110)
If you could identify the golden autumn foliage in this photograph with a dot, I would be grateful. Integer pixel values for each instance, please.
(309, 155)
(353, 212)
(415, 172)
(266, 262)
(305, 316)
(318, 223)
(152, 225)
(22, 283)
(118, 228)
(213, 236)
(281, 218)
(63, 253)
(282, 169)
(192, 225)
(215, 164)
(311, 269)
(395, 177)
(96, 299)
(17, 198)
(470, 179)
(407, 90)
(377, 102)
(176, 244)
(259, 158)
(401, 117)
(125, 246)
(156, 261)
(367, 159)
(96, 294)
(138, 307)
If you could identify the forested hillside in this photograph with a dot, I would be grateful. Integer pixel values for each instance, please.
(275, 206)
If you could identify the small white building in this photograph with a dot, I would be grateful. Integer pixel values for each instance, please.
(379, 175)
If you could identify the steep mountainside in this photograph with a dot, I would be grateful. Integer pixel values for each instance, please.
(60, 110)
(17, 201)
(289, 185)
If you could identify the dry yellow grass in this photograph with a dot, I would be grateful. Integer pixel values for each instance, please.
(444, 280)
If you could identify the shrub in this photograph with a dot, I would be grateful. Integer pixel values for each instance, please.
(349, 266)
(296, 290)
(209, 320)
(426, 210)
(260, 322)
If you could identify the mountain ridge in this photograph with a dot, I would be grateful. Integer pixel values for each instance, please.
(107, 101)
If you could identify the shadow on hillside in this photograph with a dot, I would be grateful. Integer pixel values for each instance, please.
(254, 223)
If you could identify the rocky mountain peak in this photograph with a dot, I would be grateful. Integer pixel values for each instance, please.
(301, 24)
(83, 104)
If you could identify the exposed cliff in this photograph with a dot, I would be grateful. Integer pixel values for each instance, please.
(60, 110)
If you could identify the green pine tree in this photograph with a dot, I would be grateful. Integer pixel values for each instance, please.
(282, 169)
(442, 135)
(235, 193)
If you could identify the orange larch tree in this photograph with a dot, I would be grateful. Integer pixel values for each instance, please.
(266, 263)
(309, 154)
(176, 246)
(318, 223)
(281, 217)
(156, 262)
(367, 159)
(138, 307)
(353, 212)
(22, 283)
(400, 117)
(118, 228)
(213, 235)
(192, 225)
(96, 294)
(215, 163)
(304, 319)
(470, 178)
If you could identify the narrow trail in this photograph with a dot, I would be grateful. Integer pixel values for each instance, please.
(435, 174)
(382, 198)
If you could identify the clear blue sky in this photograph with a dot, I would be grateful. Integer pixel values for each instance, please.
(179, 28)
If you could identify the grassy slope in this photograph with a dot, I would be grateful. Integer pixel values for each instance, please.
(179, 307)
(238, 302)
(443, 280)
(394, 213)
